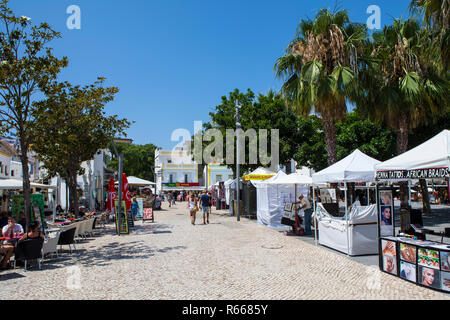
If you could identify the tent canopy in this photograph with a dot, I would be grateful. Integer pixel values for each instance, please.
(434, 153)
(357, 167)
(293, 178)
(259, 174)
(13, 184)
(137, 182)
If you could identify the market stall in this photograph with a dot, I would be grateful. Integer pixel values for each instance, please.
(356, 232)
(408, 254)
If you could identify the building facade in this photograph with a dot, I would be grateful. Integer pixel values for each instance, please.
(175, 170)
(217, 172)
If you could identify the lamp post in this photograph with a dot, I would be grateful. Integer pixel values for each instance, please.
(238, 184)
(120, 156)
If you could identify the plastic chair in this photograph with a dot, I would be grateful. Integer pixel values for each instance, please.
(90, 227)
(68, 238)
(51, 246)
(31, 249)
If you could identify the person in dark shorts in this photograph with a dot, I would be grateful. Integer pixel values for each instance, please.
(206, 205)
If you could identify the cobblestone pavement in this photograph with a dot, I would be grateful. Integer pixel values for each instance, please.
(172, 259)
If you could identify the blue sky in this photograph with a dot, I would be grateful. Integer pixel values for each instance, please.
(173, 60)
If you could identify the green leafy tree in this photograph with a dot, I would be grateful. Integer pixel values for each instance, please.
(436, 17)
(27, 67)
(354, 132)
(262, 112)
(83, 128)
(320, 69)
(138, 160)
(402, 88)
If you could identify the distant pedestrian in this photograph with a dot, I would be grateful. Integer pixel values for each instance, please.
(206, 205)
(169, 199)
(193, 207)
(134, 208)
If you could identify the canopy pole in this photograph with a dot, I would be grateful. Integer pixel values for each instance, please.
(315, 215)
(295, 211)
(346, 216)
(368, 194)
(409, 193)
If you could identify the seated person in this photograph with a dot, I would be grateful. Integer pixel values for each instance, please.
(6, 250)
(12, 228)
(33, 233)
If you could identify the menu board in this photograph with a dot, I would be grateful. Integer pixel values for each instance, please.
(420, 261)
(124, 229)
(148, 214)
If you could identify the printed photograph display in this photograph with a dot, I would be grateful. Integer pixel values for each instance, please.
(429, 277)
(445, 261)
(389, 252)
(386, 213)
(408, 271)
(428, 258)
(408, 253)
(445, 281)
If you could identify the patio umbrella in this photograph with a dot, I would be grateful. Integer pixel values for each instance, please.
(111, 195)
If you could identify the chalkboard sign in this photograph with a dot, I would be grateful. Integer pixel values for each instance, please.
(148, 215)
(130, 219)
(124, 227)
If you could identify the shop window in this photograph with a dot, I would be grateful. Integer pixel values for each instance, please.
(12, 173)
(171, 178)
(186, 178)
(218, 177)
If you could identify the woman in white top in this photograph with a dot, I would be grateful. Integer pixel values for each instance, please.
(193, 207)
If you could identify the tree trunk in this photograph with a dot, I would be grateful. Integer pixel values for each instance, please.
(425, 196)
(329, 128)
(26, 184)
(73, 193)
(402, 147)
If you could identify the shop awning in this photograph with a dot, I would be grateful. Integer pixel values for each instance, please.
(13, 184)
(138, 182)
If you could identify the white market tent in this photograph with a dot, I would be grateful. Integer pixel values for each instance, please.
(260, 174)
(274, 193)
(432, 154)
(137, 182)
(356, 233)
(357, 167)
(13, 184)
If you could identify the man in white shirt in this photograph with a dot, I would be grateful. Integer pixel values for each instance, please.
(305, 205)
(10, 230)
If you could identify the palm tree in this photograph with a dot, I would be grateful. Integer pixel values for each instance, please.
(436, 18)
(319, 69)
(401, 86)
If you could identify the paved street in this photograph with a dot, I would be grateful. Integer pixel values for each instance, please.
(172, 259)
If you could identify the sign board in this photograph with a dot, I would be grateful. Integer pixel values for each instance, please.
(124, 229)
(148, 215)
(140, 212)
(130, 219)
(36, 210)
(181, 185)
(413, 174)
(386, 212)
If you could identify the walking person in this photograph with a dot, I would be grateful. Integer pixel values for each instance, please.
(193, 207)
(169, 199)
(206, 205)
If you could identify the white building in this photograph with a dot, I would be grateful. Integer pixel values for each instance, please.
(176, 170)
